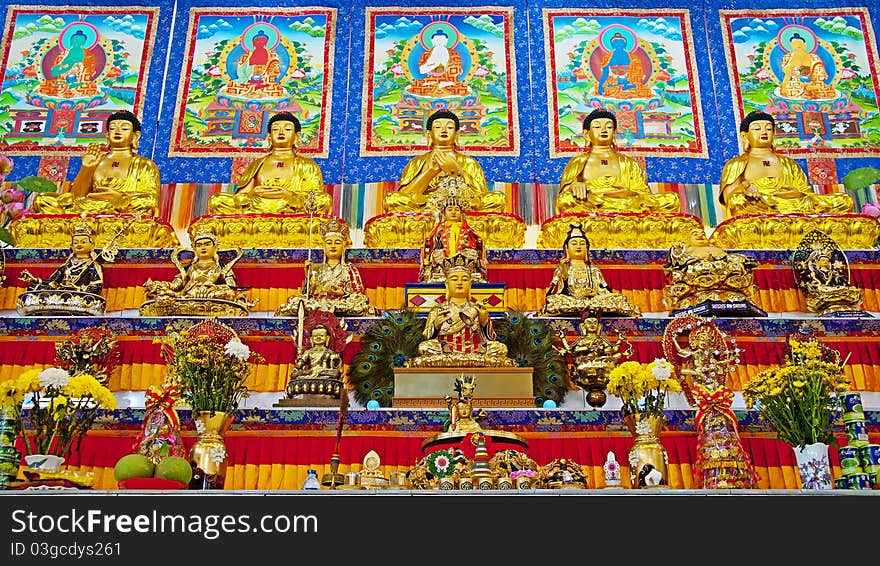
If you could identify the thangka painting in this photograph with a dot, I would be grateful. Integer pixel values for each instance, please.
(241, 66)
(419, 60)
(65, 70)
(814, 71)
(638, 64)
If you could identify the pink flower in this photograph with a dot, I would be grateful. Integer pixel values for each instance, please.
(14, 209)
(12, 195)
(871, 209)
(5, 166)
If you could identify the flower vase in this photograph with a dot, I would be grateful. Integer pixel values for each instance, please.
(814, 466)
(647, 457)
(44, 462)
(208, 456)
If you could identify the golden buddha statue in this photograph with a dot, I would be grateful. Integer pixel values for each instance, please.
(423, 174)
(578, 286)
(459, 331)
(279, 182)
(452, 235)
(605, 180)
(696, 272)
(462, 416)
(203, 286)
(74, 288)
(119, 181)
(822, 273)
(334, 285)
(761, 181)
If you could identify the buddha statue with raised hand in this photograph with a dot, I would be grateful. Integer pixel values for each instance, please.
(118, 181)
(278, 182)
(761, 181)
(423, 174)
(604, 180)
(334, 285)
(578, 286)
(459, 331)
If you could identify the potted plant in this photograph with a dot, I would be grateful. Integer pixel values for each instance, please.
(211, 365)
(800, 401)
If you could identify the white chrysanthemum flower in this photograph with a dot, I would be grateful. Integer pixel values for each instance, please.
(237, 349)
(53, 377)
(662, 369)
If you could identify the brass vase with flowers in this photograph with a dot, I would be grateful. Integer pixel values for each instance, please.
(211, 364)
(643, 388)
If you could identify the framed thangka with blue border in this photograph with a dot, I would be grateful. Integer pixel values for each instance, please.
(814, 71)
(638, 64)
(66, 69)
(242, 65)
(418, 60)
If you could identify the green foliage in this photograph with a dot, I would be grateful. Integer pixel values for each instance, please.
(36, 185)
(860, 178)
(530, 342)
(387, 344)
(6, 237)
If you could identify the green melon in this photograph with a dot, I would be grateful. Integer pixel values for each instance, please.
(133, 466)
(174, 468)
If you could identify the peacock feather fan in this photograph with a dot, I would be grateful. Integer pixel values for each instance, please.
(530, 343)
(387, 344)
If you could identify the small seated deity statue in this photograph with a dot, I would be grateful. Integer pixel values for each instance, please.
(371, 472)
(75, 287)
(204, 285)
(462, 416)
(822, 273)
(562, 473)
(334, 285)
(579, 287)
(594, 357)
(80, 272)
(318, 362)
(761, 181)
(604, 180)
(423, 174)
(459, 331)
(451, 236)
(280, 181)
(612, 470)
(697, 272)
(119, 181)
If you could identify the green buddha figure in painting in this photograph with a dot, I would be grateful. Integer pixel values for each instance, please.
(605, 180)
(278, 182)
(761, 181)
(118, 181)
(424, 173)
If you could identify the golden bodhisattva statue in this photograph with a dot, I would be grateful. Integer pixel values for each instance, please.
(459, 331)
(822, 273)
(423, 174)
(278, 182)
(697, 272)
(579, 287)
(334, 285)
(605, 180)
(462, 416)
(118, 181)
(204, 286)
(761, 181)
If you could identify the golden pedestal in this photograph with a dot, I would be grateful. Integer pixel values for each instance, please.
(262, 230)
(499, 230)
(193, 307)
(785, 231)
(621, 230)
(428, 387)
(60, 302)
(56, 230)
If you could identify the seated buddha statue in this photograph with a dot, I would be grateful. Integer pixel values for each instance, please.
(334, 285)
(761, 181)
(280, 181)
(204, 285)
(119, 181)
(579, 287)
(424, 173)
(459, 331)
(451, 236)
(605, 180)
(698, 271)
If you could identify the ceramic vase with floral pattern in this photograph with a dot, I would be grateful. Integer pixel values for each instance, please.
(814, 466)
